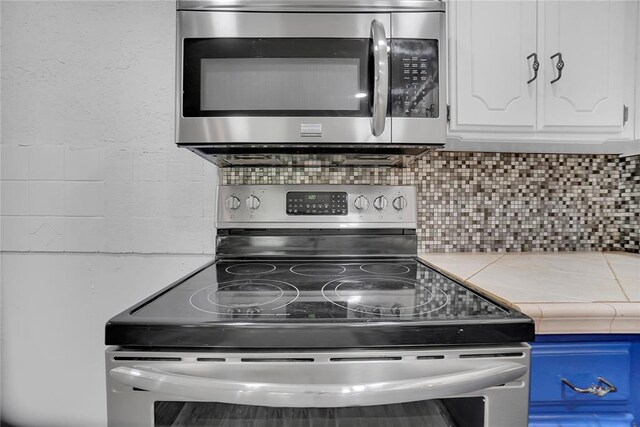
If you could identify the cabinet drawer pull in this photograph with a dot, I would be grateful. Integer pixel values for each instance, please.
(535, 66)
(559, 66)
(596, 390)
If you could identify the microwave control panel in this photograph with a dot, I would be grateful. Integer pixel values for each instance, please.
(414, 78)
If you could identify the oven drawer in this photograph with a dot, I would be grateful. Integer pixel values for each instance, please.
(465, 386)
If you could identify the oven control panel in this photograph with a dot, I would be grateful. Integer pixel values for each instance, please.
(315, 206)
(317, 203)
(414, 78)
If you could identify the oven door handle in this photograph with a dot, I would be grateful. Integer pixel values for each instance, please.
(310, 394)
(380, 77)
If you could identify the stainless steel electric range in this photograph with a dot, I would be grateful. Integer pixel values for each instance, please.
(317, 311)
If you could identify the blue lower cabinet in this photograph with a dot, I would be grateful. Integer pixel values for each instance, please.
(582, 420)
(605, 367)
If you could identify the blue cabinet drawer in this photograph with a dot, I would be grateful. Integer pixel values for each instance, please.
(581, 364)
(582, 420)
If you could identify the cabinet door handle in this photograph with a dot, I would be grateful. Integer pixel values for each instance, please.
(596, 390)
(559, 66)
(535, 65)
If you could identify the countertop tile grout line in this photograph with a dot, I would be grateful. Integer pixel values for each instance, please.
(485, 267)
(615, 276)
(615, 316)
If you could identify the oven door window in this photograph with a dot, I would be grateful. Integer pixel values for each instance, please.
(276, 77)
(459, 412)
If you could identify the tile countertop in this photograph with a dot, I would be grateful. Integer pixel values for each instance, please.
(564, 292)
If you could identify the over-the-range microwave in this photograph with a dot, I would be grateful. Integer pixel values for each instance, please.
(331, 81)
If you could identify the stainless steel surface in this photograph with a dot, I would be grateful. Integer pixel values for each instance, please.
(271, 212)
(381, 77)
(272, 129)
(409, 130)
(380, 203)
(316, 155)
(361, 203)
(320, 379)
(321, 387)
(313, 5)
(354, 130)
(278, 244)
(372, 131)
(232, 202)
(253, 202)
(400, 203)
(276, 25)
(497, 375)
(596, 390)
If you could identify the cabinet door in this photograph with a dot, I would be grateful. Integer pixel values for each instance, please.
(590, 37)
(490, 69)
(636, 106)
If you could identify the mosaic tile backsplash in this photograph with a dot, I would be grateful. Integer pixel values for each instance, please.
(486, 202)
(630, 204)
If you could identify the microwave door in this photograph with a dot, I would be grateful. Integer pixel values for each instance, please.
(308, 78)
(418, 104)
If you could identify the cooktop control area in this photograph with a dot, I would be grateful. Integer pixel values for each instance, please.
(316, 206)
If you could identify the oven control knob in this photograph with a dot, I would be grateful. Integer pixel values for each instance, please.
(253, 202)
(399, 203)
(232, 202)
(361, 203)
(380, 203)
(253, 311)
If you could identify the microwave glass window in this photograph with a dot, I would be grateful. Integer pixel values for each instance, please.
(277, 77)
(280, 84)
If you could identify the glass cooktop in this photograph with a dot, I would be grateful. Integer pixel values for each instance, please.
(228, 300)
(319, 291)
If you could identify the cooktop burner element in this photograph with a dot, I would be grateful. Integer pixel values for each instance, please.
(384, 268)
(380, 296)
(318, 269)
(263, 297)
(250, 269)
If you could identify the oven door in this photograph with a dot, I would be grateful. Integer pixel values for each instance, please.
(282, 77)
(485, 387)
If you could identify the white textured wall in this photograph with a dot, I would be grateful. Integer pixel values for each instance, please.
(90, 179)
(88, 159)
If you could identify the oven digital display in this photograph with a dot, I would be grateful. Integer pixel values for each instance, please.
(316, 203)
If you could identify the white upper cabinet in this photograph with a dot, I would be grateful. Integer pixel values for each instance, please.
(587, 90)
(493, 69)
(496, 94)
(637, 83)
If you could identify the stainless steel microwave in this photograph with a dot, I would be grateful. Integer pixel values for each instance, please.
(310, 77)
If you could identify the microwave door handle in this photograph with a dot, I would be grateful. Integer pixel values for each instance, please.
(380, 77)
(319, 393)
